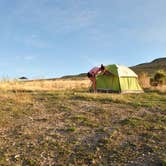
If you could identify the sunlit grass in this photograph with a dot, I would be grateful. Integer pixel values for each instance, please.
(45, 85)
(60, 123)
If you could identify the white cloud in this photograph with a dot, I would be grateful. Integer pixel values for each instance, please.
(29, 58)
(26, 57)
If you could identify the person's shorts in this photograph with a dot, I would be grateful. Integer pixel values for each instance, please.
(90, 75)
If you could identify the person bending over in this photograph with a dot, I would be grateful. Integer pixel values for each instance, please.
(92, 75)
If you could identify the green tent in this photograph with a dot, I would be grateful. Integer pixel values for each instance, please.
(121, 80)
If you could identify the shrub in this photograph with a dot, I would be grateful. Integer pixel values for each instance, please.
(152, 82)
(159, 78)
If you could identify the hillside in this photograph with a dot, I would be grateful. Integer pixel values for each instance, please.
(150, 67)
(79, 76)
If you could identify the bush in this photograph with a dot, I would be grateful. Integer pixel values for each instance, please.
(159, 78)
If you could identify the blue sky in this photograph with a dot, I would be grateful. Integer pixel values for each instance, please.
(52, 38)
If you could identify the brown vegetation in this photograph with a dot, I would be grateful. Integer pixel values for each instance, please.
(144, 80)
(45, 85)
(58, 123)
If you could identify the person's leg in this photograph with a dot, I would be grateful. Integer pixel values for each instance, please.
(93, 79)
(94, 82)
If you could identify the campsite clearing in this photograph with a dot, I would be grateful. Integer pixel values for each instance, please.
(73, 127)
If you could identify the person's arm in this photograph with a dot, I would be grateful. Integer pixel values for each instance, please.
(106, 72)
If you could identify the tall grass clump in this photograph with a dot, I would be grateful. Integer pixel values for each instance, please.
(144, 80)
(155, 83)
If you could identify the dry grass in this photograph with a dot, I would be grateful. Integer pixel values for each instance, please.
(45, 85)
(161, 89)
(58, 123)
(63, 85)
(144, 80)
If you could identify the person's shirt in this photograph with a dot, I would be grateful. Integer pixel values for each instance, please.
(94, 71)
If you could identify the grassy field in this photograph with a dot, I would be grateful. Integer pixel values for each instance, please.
(60, 123)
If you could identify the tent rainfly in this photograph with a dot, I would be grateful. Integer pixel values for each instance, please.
(121, 80)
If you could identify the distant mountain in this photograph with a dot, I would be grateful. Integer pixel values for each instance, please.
(79, 76)
(150, 67)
